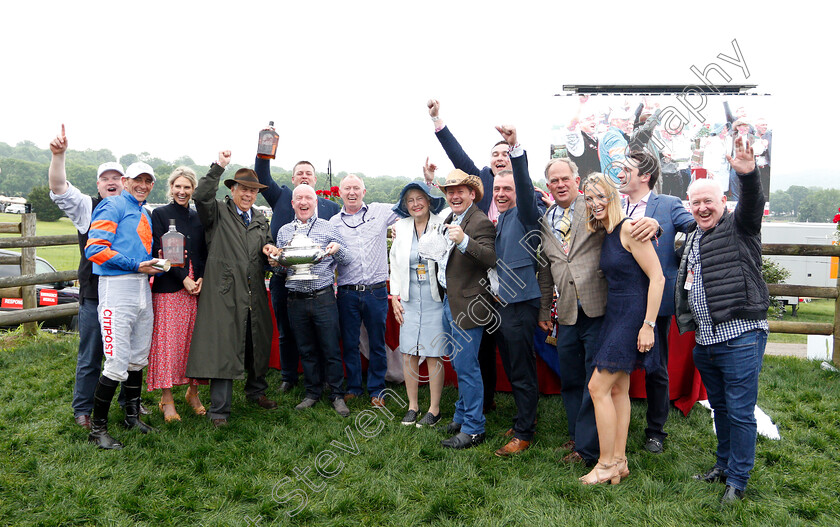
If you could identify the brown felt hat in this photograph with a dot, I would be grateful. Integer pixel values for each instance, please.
(245, 177)
(459, 177)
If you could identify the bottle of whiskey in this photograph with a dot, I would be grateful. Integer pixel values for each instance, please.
(267, 147)
(173, 246)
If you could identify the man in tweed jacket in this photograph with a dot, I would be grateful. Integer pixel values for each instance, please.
(573, 255)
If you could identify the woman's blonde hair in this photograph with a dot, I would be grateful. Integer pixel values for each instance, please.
(613, 208)
(182, 171)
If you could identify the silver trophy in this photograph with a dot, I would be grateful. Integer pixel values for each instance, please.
(300, 255)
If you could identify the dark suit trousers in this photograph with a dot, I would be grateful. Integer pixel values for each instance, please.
(516, 346)
(656, 385)
(487, 364)
(576, 348)
(315, 323)
(221, 390)
(286, 338)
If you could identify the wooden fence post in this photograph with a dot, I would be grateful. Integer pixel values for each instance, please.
(27, 266)
(835, 355)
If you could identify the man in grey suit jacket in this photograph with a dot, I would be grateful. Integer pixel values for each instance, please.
(573, 255)
(638, 177)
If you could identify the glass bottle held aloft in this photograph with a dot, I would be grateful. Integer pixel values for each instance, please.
(173, 245)
(267, 147)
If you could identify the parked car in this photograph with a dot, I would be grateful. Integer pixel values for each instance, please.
(15, 208)
(62, 292)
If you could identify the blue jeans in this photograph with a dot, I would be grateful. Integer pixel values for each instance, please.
(464, 358)
(370, 307)
(576, 348)
(729, 371)
(89, 359)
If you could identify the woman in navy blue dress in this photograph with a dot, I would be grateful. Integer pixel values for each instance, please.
(627, 342)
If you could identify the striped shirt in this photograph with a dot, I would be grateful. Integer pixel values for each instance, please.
(322, 233)
(707, 333)
(366, 234)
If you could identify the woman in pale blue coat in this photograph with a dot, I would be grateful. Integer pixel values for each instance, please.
(416, 299)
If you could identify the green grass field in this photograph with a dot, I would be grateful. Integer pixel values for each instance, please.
(63, 258)
(266, 465)
(818, 310)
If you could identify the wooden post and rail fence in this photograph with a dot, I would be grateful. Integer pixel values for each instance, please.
(23, 286)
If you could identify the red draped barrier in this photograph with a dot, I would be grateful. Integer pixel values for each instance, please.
(685, 385)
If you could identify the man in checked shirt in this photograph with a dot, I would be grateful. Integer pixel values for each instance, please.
(313, 314)
(721, 294)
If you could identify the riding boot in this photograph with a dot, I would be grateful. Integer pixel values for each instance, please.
(132, 386)
(102, 397)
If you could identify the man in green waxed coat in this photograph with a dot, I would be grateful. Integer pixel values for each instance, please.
(232, 335)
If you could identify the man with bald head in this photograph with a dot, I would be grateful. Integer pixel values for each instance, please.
(311, 302)
(279, 198)
(362, 295)
(722, 296)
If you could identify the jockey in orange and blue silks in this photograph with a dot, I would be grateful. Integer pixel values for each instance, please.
(115, 251)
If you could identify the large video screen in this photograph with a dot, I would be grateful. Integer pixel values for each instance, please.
(690, 134)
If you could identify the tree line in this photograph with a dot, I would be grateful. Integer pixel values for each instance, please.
(808, 204)
(24, 167)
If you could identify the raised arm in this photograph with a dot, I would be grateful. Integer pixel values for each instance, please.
(57, 173)
(450, 145)
(728, 113)
(526, 199)
(205, 192)
(70, 200)
(263, 169)
(750, 208)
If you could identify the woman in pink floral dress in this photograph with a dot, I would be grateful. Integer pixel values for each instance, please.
(175, 297)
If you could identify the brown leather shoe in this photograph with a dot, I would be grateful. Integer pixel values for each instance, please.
(349, 397)
(515, 446)
(83, 421)
(508, 433)
(265, 402)
(568, 445)
(573, 457)
(377, 402)
(219, 423)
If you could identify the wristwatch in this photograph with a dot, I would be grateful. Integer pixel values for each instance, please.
(651, 324)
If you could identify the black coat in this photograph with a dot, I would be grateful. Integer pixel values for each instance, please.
(188, 224)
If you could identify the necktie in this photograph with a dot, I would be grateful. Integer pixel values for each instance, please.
(245, 218)
(565, 225)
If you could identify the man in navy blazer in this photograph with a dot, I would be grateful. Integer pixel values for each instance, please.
(638, 177)
(517, 290)
(280, 199)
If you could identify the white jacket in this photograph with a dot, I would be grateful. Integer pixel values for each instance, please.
(400, 254)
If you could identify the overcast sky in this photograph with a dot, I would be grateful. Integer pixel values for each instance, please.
(348, 81)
